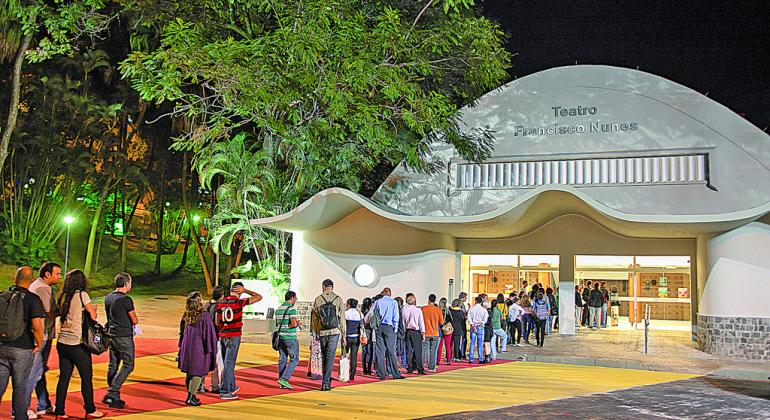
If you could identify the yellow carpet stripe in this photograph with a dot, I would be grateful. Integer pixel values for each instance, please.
(476, 388)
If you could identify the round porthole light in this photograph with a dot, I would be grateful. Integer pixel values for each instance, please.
(364, 275)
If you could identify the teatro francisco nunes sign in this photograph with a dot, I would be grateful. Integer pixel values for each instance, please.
(591, 127)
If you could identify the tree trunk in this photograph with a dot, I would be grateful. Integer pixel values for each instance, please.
(184, 254)
(126, 230)
(238, 259)
(13, 107)
(159, 246)
(187, 216)
(229, 267)
(94, 229)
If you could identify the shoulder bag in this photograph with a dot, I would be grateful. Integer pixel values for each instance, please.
(95, 337)
(447, 328)
(277, 334)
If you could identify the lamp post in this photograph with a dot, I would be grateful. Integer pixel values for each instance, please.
(67, 221)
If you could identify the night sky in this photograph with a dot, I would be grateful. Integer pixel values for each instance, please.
(722, 48)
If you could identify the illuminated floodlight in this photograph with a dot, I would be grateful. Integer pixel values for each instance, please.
(68, 220)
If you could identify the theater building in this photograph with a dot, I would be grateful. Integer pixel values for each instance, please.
(598, 173)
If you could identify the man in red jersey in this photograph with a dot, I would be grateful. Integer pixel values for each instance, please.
(230, 325)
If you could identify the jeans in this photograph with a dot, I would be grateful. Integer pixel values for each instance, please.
(445, 342)
(287, 349)
(528, 322)
(71, 357)
(414, 352)
(549, 324)
(36, 373)
(430, 351)
(540, 326)
(328, 350)
(596, 313)
(463, 349)
(578, 315)
(367, 354)
(386, 344)
(351, 348)
(515, 327)
(229, 347)
(499, 332)
(477, 343)
(15, 364)
(121, 351)
(604, 315)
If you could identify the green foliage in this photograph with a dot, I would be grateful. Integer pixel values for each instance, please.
(338, 86)
(25, 251)
(268, 270)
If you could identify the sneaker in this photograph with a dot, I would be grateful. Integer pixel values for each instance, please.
(45, 411)
(284, 384)
(31, 414)
(228, 397)
(119, 404)
(214, 390)
(235, 391)
(432, 370)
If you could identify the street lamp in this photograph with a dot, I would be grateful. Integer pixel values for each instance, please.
(67, 221)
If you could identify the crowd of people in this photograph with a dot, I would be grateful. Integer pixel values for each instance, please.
(397, 336)
(596, 306)
(393, 334)
(30, 312)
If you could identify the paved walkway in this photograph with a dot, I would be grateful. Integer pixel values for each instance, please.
(672, 351)
(156, 388)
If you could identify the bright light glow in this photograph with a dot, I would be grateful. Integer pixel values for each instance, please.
(364, 275)
(196, 218)
(68, 220)
(167, 204)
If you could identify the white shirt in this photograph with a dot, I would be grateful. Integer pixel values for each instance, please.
(515, 311)
(477, 315)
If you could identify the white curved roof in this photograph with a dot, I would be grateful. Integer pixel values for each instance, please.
(670, 122)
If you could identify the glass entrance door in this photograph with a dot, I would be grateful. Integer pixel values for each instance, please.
(495, 274)
(660, 283)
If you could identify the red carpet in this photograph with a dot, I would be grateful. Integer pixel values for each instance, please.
(167, 394)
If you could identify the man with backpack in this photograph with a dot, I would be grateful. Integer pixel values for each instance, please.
(328, 322)
(542, 313)
(229, 324)
(21, 336)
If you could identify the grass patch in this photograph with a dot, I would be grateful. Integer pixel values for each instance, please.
(172, 280)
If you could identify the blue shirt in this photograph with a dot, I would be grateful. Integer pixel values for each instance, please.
(388, 308)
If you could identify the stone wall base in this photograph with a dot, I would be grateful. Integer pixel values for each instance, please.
(740, 338)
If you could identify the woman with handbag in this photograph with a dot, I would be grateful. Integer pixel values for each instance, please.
(74, 305)
(355, 336)
(447, 331)
(367, 349)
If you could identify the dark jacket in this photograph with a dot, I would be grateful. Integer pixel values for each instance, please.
(595, 299)
(586, 295)
(198, 346)
(578, 299)
(458, 320)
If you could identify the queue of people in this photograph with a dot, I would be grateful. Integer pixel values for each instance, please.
(397, 336)
(596, 306)
(30, 313)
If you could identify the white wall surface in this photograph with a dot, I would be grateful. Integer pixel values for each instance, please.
(738, 284)
(421, 274)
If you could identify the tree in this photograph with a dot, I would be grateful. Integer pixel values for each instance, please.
(339, 86)
(56, 27)
(315, 94)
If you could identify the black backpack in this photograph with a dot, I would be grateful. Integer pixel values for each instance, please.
(328, 315)
(12, 325)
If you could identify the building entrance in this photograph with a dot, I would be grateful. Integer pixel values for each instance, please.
(658, 284)
(495, 274)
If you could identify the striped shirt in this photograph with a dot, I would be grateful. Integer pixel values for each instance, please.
(287, 333)
(230, 316)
